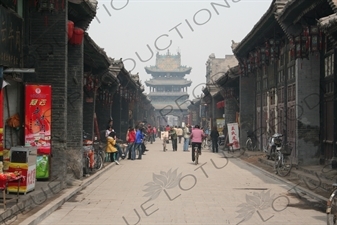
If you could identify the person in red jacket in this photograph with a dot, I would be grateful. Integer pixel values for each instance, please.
(131, 138)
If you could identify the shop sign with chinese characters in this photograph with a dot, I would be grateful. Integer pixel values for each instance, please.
(38, 117)
(233, 135)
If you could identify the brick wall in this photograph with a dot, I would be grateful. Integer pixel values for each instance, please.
(88, 115)
(230, 110)
(307, 107)
(247, 107)
(75, 110)
(48, 45)
(103, 116)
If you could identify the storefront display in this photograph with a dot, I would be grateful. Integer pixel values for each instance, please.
(42, 166)
(23, 162)
(1, 125)
(38, 125)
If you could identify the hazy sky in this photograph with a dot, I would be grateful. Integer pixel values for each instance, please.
(195, 28)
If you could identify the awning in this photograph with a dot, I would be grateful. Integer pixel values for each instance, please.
(220, 104)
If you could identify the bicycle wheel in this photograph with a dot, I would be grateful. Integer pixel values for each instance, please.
(86, 163)
(331, 208)
(98, 161)
(249, 145)
(285, 166)
(209, 144)
(196, 152)
(277, 161)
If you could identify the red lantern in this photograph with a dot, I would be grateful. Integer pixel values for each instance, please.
(320, 40)
(77, 37)
(314, 38)
(292, 48)
(70, 30)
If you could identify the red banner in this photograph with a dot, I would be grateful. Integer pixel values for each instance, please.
(1, 122)
(38, 117)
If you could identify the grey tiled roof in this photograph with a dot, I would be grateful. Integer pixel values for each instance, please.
(333, 4)
(328, 21)
(167, 94)
(168, 82)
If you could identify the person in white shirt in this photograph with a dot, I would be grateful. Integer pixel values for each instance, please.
(108, 131)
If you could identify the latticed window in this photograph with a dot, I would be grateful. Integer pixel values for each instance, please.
(264, 99)
(329, 65)
(280, 77)
(291, 72)
(258, 101)
(272, 97)
(291, 92)
(280, 95)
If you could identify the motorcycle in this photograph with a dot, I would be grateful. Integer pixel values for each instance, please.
(274, 143)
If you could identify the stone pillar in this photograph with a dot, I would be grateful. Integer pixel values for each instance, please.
(307, 109)
(75, 111)
(48, 47)
(230, 110)
(247, 107)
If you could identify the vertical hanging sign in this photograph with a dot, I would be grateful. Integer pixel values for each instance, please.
(233, 135)
(1, 113)
(38, 117)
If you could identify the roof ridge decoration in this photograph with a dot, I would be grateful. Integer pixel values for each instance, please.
(326, 22)
(91, 3)
(269, 11)
(234, 45)
(291, 26)
(333, 5)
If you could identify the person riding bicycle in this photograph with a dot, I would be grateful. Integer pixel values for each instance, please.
(197, 136)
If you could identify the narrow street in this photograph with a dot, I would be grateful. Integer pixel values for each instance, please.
(167, 188)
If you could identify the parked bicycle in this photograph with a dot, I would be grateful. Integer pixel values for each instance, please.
(207, 143)
(283, 160)
(252, 142)
(331, 206)
(99, 154)
(274, 142)
(93, 155)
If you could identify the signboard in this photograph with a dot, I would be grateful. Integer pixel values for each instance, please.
(220, 124)
(233, 135)
(1, 122)
(26, 170)
(10, 38)
(38, 117)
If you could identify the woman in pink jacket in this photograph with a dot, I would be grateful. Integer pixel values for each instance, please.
(197, 136)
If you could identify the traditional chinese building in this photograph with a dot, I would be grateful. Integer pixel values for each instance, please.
(168, 88)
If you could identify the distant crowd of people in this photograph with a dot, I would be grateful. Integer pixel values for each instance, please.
(137, 136)
(193, 136)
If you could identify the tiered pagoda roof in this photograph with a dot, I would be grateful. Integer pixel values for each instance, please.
(168, 64)
(159, 82)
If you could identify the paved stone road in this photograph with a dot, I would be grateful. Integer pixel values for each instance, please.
(217, 191)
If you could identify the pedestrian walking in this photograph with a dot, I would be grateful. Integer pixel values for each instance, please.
(111, 147)
(214, 137)
(131, 138)
(154, 133)
(187, 135)
(174, 137)
(139, 142)
(180, 133)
